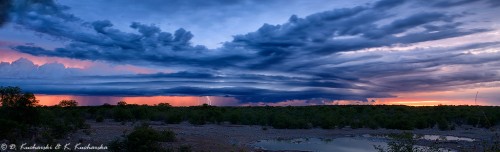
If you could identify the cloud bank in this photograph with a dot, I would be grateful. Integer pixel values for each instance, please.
(342, 54)
(25, 70)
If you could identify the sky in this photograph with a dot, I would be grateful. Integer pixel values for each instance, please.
(253, 52)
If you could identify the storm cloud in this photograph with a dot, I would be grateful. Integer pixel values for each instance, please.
(341, 54)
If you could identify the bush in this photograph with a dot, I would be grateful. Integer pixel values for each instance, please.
(173, 118)
(141, 112)
(443, 124)
(328, 124)
(421, 123)
(123, 114)
(99, 119)
(403, 142)
(143, 138)
(197, 118)
(167, 136)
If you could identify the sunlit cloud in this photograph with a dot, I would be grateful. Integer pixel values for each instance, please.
(322, 53)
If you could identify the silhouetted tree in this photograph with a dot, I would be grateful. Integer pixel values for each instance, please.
(68, 103)
(121, 103)
(14, 97)
(164, 104)
(18, 113)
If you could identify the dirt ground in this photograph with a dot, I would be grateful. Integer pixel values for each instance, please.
(227, 137)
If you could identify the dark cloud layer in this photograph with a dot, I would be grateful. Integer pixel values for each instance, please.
(4, 11)
(244, 87)
(271, 44)
(452, 3)
(323, 55)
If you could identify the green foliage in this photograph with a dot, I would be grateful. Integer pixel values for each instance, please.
(443, 124)
(99, 119)
(143, 138)
(404, 142)
(401, 143)
(122, 114)
(173, 118)
(197, 118)
(327, 117)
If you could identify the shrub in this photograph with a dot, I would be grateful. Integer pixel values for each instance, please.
(167, 136)
(99, 119)
(197, 118)
(371, 124)
(328, 124)
(235, 118)
(443, 124)
(173, 118)
(141, 113)
(421, 123)
(403, 142)
(143, 138)
(122, 114)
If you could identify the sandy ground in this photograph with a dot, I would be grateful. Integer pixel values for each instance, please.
(226, 137)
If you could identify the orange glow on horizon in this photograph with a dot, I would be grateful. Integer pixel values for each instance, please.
(486, 97)
(417, 102)
(50, 100)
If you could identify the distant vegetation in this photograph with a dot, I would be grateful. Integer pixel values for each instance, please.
(326, 117)
(22, 118)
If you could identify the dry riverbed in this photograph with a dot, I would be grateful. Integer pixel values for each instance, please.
(227, 137)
